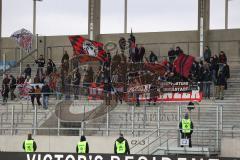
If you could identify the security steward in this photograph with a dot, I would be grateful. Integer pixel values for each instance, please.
(121, 146)
(29, 145)
(82, 146)
(186, 128)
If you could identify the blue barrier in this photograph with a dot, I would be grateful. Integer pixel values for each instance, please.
(7, 65)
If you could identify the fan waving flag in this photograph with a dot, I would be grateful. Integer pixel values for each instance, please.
(85, 47)
(183, 64)
(23, 38)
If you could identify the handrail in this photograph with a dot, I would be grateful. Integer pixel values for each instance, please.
(99, 129)
(10, 48)
(167, 139)
(154, 141)
(29, 54)
(63, 46)
(168, 130)
(234, 126)
(144, 138)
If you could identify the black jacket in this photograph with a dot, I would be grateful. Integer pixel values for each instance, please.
(13, 83)
(141, 53)
(222, 76)
(153, 58)
(40, 62)
(207, 54)
(120, 140)
(27, 72)
(171, 55)
(50, 67)
(65, 57)
(206, 76)
(77, 79)
(45, 90)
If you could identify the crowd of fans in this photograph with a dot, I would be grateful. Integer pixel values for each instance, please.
(208, 70)
(24, 83)
(211, 69)
(118, 70)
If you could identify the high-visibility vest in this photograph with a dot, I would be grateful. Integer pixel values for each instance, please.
(29, 146)
(121, 147)
(186, 125)
(82, 147)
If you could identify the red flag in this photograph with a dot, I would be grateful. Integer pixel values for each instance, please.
(87, 58)
(82, 46)
(156, 68)
(183, 64)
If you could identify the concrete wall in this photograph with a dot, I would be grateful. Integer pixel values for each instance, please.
(232, 47)
(159, 42)
(9, 48)
(60, 143)
(230, 147)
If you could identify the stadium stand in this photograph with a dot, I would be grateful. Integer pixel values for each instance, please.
(92, 117)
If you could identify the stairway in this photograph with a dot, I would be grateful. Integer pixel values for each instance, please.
(231, 109)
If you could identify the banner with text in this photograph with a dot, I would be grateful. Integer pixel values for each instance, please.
(65, 156)
(166, 92)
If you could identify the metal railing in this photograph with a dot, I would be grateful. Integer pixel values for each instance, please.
(189, 47)
(18, 61)
(22, 114)
(169, 138)
(84, 114)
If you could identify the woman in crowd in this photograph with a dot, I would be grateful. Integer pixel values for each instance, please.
(50, 67)
(222, 57)
(38, 95)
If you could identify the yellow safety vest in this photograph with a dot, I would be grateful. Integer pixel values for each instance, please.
(186, 125)
(82, 147)
(121, 147)
(28, 146)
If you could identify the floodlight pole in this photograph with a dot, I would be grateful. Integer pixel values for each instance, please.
(226, 14)
(203, 23)
(125, 16)
(34, 25)
(0, 18)
(0, 28)
(34, 17)
(94, 19)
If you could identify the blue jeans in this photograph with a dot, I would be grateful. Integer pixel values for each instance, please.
(206, 89)
(214, 79)
(45, 102)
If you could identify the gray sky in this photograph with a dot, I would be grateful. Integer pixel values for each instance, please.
(63, 17)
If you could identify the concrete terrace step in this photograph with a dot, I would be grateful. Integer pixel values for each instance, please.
(179, 150)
